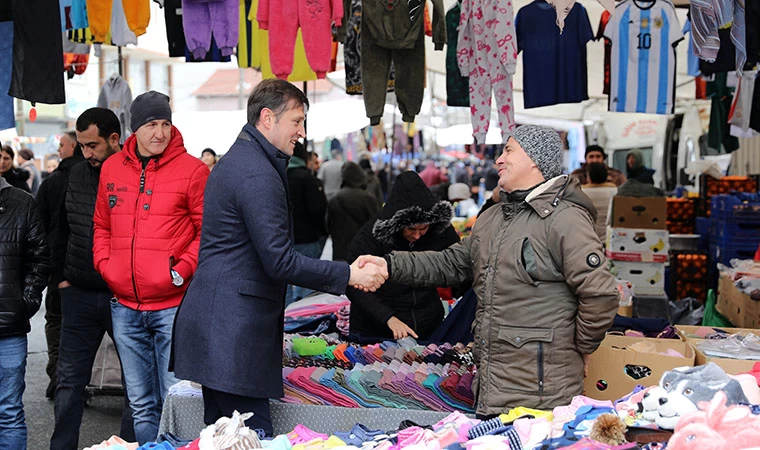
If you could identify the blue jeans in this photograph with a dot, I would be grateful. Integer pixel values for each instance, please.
(312, 250)
(143, 339)
(12, 372)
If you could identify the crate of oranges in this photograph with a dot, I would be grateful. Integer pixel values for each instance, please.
(713, 186)
(689, 275)
(681, 215)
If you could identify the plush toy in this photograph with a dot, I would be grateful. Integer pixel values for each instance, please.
(608, 429)
(682, 389)
(717, 427)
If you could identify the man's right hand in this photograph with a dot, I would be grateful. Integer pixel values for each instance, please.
(63, 284)
(400, 329)
(368, 273)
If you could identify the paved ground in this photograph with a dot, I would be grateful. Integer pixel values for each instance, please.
(101, 418)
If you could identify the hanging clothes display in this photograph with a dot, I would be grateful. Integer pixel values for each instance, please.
(457, 85)
(754, 120)
(213, 55)
(117, 96)
(253, 47)
(202, 18)
(603, 21)
(554, 64)
(7, 119)
(349, 33)
(175, 31)
(692, 61)
(725, 59)
(75, 57)
(487, 26)
(119, 30)
(643, 64)
(314, 17)
(719, 132)
(394, 32)
(752, 16)
(37, 70)
(714, 21)
(741, 109)
(563, 8)
(78, 14)
(99, 12)
(85, 36)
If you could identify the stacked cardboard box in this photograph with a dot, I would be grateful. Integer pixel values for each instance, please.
(735, 305)
(637, 242)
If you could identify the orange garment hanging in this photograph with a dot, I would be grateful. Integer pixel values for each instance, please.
(137, 13)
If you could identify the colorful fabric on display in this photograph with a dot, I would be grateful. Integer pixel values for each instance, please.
(643, 57)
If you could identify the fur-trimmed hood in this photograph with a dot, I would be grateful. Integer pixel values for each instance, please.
(410, 203)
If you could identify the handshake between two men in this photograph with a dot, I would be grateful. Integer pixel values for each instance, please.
(368, 273)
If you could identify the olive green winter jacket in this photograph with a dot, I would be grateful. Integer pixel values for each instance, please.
(545, 296)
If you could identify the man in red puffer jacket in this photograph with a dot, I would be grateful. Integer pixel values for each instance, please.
(147, 228)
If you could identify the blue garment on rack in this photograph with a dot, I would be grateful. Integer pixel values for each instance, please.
(7, 119)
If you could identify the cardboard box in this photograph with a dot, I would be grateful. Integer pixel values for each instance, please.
(648, 278)
(638, 212)
(637, 244)
(731, 366)
(736, 306)
(609, 378)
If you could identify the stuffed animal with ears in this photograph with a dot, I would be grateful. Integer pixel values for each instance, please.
(682, 389)
(717, 427)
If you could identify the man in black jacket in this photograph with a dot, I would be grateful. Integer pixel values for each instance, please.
(24, 271)
(85, 298)
(309, 208)
(50, 199)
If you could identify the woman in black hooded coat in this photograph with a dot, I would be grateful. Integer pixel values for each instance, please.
(14, 176)
(411, 220)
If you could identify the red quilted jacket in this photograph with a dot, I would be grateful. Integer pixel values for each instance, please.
(147, 222)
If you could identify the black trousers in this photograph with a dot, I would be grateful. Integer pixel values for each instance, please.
(217, 404)
(52, 330)
(86, 318)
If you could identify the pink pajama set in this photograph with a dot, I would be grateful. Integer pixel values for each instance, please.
(487, 52)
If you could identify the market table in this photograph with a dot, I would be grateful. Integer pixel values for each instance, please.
(183, 416)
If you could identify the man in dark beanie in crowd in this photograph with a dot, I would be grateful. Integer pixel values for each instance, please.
(147, 228)
(545, 296)
(595, 154)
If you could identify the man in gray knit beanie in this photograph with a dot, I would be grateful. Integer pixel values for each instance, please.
(543, 148)
(545, 297)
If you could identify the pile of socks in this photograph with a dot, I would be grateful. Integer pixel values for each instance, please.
(322, 370)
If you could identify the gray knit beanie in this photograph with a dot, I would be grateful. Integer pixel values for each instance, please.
(543, 145)
(147, 107)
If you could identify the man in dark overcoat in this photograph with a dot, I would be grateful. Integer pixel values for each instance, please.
(229, 328)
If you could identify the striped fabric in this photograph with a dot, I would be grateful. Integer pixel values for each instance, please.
(643, 58)
(707, 16)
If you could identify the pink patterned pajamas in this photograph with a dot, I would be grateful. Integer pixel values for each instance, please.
(487, 52)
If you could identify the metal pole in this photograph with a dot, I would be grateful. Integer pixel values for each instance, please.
(121, 70)
(241, 91)
(306, 93)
